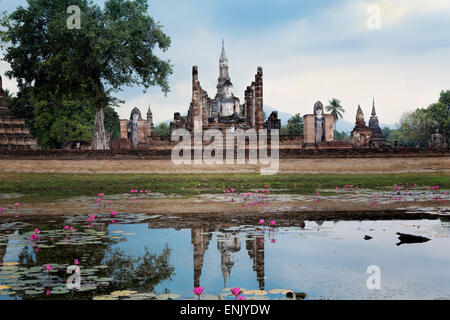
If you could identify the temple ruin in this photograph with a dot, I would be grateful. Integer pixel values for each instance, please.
(224, 111)
(14, 134)
(368, 136)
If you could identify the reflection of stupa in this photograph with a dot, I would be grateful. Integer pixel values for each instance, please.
(227, 244)
(255, 248)
(200, 238)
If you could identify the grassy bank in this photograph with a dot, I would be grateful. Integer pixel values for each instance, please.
(54, 186)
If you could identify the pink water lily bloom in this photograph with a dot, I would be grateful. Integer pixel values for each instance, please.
(241, 298)
(272, 222)
(261, 221)
(198, 291)
(76, 261)
(236, 291)
(48, 267)
(37, 231)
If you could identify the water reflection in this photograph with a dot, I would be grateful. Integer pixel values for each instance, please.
(168, 255)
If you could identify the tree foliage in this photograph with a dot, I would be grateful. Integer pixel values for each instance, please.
(416, 127)
(294, 126)
(114, 48)
(163, 129)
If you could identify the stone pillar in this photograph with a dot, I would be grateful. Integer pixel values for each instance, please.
(309, 129)
(329, 127)
(204, 108)
(196, 101)
(259, 99)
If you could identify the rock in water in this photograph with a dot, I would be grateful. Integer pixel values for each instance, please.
(410, 238)
(300, 295)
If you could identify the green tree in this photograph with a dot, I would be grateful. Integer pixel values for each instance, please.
(113, 48)
(342, 136)
(163, 129)
(112, 122)
(294, 126)
(335, 108)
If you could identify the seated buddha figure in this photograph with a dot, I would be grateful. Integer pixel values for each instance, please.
(228, 104)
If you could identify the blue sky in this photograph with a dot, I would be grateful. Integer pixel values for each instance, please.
(309, 49)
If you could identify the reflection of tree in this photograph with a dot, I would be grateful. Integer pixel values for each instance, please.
(142, 273)
(2, 253)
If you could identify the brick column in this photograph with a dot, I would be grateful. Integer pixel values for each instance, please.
(259, 99)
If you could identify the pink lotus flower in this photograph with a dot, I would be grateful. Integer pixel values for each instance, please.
(236, 291)
(47, 293)
(66, 227)
(272, 222)
(16, 204)
(76, 261)
(48, 267)
(198, 291)
(241, 298)
(37, 231)
(113, 213)
(33, 237)
(1, 210)
(261, 221)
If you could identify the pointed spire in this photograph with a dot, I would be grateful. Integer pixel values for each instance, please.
(149, 112)
(223, 55)
(373, 108)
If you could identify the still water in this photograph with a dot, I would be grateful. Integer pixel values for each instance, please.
(161, 257)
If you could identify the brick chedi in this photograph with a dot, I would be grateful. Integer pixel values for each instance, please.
(377, 138)
(14, 134)
(361, 134)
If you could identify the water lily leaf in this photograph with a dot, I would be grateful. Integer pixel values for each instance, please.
(275, 291)
(123, 293)
(105, 298)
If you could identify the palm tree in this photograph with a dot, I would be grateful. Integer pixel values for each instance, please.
(335, 108)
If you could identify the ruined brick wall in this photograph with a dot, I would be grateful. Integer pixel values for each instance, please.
(165, 154)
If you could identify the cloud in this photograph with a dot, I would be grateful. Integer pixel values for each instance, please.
(308, 52)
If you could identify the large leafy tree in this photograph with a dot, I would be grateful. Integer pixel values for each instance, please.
(294, 126)
(114, 47)
(335, 108)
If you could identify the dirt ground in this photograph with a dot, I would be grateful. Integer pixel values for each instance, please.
(308, 165)
(225, 210)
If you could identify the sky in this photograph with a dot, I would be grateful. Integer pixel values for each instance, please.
(397, 51)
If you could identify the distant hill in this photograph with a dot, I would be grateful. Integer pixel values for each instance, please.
(283, 116)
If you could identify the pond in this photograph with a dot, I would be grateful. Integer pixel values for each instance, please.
(141, 256)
